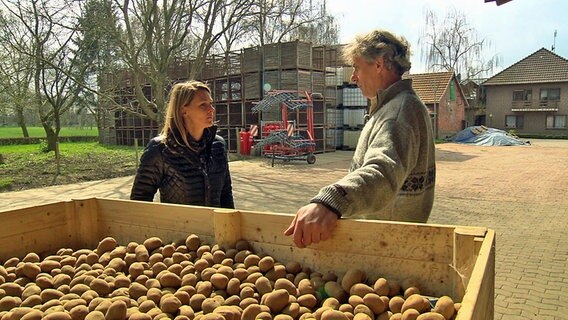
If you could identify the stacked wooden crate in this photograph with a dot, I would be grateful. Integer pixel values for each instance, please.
(223, 73)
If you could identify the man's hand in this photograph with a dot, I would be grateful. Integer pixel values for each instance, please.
(312, 224)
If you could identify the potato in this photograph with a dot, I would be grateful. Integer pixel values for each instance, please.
(395, 304)
(209, 305)
(116, 311)
(196, 301)
(169, 303)
(277, 300)
(79, 312)
(141, 253)
(355, 300)
(146, 306)
(33, 315)
(430, 316)
(204, 248)
(229, 312)
(445, 307)
(360, 289)
(12, 289)
(169, 280)
(362, 308)
(410, 291)
(307, 300)
(152, 243)
(375, 303)
(140, 316)
(186, 311)
(335, 290)
(362, 316)
(330, 314)
(106, 245)
(410, 314)
(192, 242)
(31, 270)
(50, 294)
(31, 301)
(30, 290)
(95, 315)
(417, 302)
(58, 315)
(277, 272)
(100, 286)
(351, 277)
(305, 286)
(266, 263)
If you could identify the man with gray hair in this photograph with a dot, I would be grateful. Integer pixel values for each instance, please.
(393, 170)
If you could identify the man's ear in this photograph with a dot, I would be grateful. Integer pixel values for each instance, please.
(379, 64)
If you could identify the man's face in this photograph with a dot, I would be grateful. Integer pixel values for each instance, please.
(367, 75)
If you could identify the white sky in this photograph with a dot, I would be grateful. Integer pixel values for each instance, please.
(515, 29)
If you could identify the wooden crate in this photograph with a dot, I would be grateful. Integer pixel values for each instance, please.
(447, 260)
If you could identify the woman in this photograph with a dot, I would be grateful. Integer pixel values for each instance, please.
(187, 162)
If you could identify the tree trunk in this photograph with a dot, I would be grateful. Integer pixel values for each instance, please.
(22, 122)
(51, 137)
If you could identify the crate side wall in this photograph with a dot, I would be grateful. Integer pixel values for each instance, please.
(40, 229)
(136, 221)
(401, 251)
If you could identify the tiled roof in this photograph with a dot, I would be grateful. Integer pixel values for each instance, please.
(540, 67)
(430, 87)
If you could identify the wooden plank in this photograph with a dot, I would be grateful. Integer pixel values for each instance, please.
(252, 86)
(478, 301)
(271, 56)
(40, 229)
(138, 220)
(380, 239)
(83, 223)
(464, 256)
(251, 59)
(227, 227)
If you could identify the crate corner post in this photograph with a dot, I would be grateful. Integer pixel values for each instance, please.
(84, 223)
(227, 224)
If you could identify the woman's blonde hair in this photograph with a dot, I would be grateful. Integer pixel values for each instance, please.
(181, 95)
(380, 43)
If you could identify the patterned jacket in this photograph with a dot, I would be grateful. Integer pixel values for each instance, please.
(184, 176)
(393, 171)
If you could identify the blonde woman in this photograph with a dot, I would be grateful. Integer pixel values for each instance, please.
(187, 162)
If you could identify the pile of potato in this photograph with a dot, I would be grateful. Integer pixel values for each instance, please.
(192, 280)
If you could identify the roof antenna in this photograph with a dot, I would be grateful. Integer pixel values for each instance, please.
(554, 42)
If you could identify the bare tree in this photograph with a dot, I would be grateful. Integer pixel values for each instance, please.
(15, 74)
(47, 33)
(158, 33)
(454, 45)
(323, 31)
(275, 20)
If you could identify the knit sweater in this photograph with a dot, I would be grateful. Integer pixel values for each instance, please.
(393, 170)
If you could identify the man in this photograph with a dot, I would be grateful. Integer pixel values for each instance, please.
(392, 173)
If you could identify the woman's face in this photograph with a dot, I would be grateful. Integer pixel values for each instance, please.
(199, 113)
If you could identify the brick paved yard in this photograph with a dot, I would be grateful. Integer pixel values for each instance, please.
(521, 192)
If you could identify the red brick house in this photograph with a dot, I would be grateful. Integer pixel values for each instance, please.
(443, 96)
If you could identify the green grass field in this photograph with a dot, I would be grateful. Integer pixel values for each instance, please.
(24, 166)
(38, 132)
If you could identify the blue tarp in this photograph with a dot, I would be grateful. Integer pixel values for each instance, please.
(484, 136)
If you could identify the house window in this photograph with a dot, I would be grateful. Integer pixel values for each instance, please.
(522, 95)
(514, 122)
(550, 94)
(556, 122)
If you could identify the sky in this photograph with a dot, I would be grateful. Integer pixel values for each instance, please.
(514, 30)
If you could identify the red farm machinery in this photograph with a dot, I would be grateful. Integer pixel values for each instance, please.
(287, 139)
